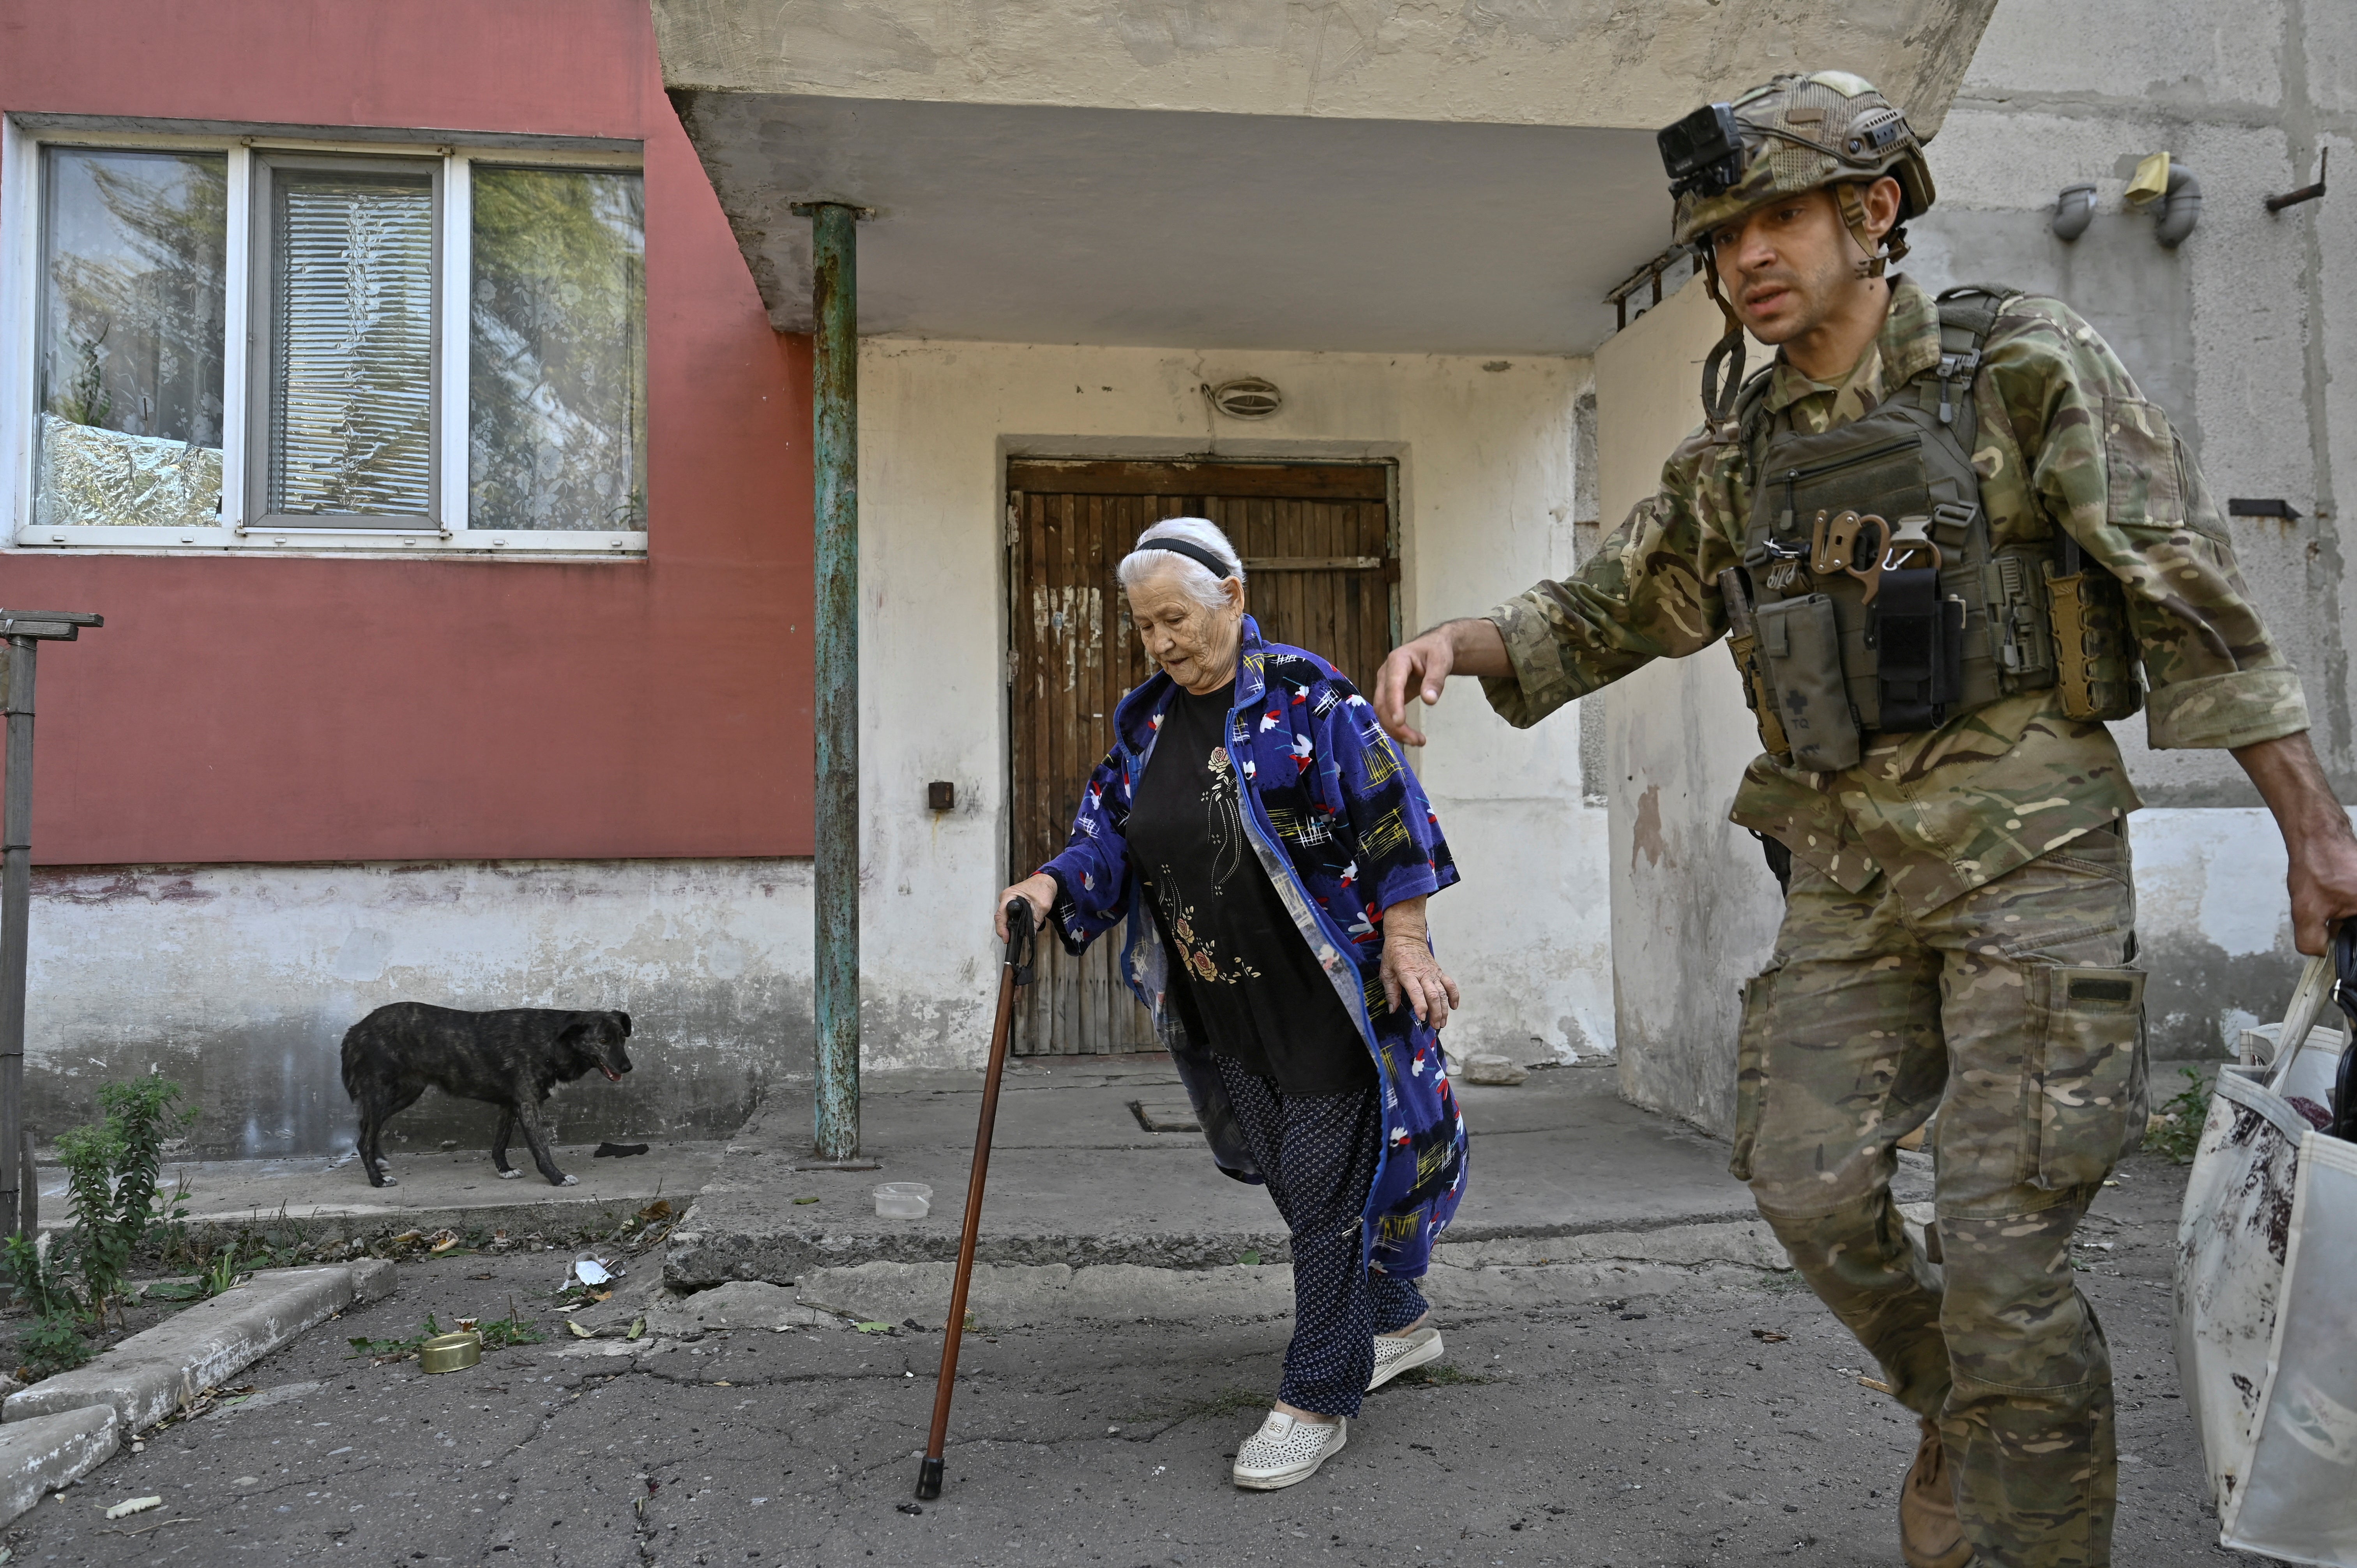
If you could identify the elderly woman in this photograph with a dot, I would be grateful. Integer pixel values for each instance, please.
(1271, 853)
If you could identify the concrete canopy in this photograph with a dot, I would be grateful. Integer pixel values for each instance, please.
(1359, 175)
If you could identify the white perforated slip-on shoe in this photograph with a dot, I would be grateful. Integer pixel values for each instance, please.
(1396, 1353)
(1287, 1449)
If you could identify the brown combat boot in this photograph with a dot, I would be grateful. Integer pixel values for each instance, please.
(1930, 1535)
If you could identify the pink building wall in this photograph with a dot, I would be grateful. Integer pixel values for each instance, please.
(283, 709)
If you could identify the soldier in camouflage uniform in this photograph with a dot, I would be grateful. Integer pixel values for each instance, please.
(1959, 928)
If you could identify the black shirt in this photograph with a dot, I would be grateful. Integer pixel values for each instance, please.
(1243, 977)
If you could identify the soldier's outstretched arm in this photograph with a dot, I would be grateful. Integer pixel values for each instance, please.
(1422, 668)
(2315, 833)
(1647, 593)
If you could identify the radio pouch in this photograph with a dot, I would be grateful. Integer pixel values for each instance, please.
(1801, 642)
(1919, 640)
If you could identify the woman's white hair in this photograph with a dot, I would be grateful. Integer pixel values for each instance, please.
(1200, 582)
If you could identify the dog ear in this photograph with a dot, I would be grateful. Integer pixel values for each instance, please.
(575, 1033)
(625, 1018)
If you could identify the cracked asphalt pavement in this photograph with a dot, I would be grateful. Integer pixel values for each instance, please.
(1720, 1426)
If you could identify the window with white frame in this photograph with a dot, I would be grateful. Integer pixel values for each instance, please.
(237, 342)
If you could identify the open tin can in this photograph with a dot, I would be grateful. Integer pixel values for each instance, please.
(451, 1352)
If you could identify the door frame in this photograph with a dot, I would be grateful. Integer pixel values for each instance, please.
(1392, 455)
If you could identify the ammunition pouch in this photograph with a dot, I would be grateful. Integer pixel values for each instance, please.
(1883, 604)
(2094, 654)
(1758, 695)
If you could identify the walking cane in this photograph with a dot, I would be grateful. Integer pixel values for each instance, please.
(1017, 971)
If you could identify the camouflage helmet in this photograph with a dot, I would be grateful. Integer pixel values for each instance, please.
(1803, 132)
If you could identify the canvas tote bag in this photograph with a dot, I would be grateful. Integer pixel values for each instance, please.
(2267, 1298)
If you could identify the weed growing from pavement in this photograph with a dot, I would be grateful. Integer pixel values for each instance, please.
(497, 1334)
(52, 1344)
(2182, 1118)
(114, 1175)
(1227, 1402)
(114, 1191)
(1441, 1375)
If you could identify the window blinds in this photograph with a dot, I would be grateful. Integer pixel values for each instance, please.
(352, 341)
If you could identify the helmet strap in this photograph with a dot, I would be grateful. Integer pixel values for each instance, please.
(1720, 382)
(1852, 212)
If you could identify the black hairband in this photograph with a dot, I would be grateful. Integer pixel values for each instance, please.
(1194, 552)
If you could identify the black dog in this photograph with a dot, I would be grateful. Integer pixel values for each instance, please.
(510, 1058)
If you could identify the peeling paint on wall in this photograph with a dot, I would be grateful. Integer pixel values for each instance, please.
(240, 981)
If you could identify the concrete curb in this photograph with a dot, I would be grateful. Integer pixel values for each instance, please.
(706, 1251)
(47, 1452)
(153, 1372)
(1465, 1281)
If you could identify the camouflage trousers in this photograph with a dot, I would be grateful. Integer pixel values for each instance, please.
(2013, 1013)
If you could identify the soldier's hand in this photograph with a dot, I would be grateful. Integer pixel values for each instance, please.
(2316, 835)
(1420, 668)
(2323, 889)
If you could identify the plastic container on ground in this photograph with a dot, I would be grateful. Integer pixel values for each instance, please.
(903, 1200)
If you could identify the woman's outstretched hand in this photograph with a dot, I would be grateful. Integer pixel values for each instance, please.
(1410, 971)
(1039, 891)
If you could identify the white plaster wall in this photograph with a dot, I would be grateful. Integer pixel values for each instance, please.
(1693, 907)
(1485, 457)
(2213, 924)
(240, 980)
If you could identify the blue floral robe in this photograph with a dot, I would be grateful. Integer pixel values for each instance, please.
(1344, 832)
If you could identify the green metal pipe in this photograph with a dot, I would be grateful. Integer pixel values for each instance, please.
(16, 908)
(836, 458)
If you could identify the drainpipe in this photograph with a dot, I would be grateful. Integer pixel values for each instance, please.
(834, 404)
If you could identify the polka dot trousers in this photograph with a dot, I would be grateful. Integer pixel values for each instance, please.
(1318, 1153)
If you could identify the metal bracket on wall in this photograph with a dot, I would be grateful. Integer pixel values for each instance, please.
(2306, 192)
(2268, 506)
(1650, 274)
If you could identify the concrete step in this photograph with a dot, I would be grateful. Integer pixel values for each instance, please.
(147, 1377)
(1077, 1182)
(1474, 1280)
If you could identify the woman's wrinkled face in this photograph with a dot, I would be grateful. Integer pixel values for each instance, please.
(1194, 643)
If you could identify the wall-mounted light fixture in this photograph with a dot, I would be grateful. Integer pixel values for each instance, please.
(1247, 397)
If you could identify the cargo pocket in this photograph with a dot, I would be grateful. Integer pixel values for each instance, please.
(2083, 1074)
(1751, 1066)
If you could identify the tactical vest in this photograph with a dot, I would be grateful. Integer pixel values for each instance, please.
(1880, 601)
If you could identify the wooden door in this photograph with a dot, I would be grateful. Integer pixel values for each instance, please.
(1320, 571)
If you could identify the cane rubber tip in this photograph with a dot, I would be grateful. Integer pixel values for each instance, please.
(929, 1480)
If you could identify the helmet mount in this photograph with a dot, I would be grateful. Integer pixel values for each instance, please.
(1828, 129)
